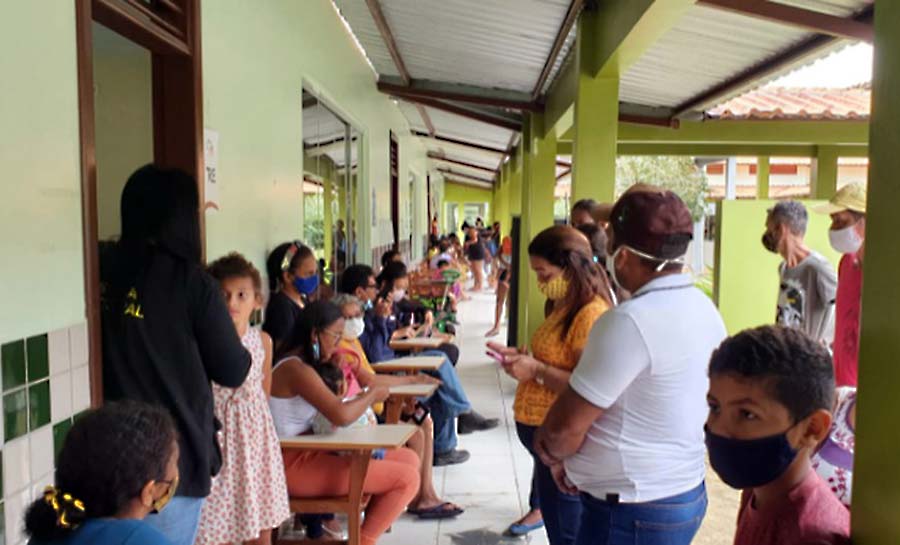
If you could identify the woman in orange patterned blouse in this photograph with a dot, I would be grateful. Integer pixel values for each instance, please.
(579, 291)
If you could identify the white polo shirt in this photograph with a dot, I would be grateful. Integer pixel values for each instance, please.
(645, 364)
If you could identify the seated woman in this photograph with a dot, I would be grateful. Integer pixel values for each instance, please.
(412, 319)
(298, 394)
(118, 464)
(427, 504)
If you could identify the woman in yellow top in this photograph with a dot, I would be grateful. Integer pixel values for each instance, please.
(579, 291)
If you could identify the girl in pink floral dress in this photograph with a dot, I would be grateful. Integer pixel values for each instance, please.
(249, 496)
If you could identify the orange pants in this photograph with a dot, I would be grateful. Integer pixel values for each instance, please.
(392, 483)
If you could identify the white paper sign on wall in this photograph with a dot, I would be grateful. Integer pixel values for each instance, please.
(211, 161)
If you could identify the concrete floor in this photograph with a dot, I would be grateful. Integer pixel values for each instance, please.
(493, 485)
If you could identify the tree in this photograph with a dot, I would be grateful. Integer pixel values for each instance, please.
(676, 173)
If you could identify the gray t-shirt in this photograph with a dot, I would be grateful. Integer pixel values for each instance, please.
(806, 297)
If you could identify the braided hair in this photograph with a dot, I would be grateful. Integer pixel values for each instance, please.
(108, 457)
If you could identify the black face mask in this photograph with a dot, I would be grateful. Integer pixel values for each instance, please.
(749, 463)
(769, 242)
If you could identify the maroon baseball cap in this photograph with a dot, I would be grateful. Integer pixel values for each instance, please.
(654, 221)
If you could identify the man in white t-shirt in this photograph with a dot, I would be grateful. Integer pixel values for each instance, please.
(627, 433)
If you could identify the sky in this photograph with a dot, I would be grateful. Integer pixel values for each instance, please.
(844, 68)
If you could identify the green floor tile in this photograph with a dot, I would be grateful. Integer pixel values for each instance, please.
(13, 361)
(15, 414)
(38, 358)
(59, 436)
(39, 403)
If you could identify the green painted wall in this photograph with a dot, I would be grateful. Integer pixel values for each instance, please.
(746, 275)
(41, 280)
(123, 105)
(256, 59)
(463, 194)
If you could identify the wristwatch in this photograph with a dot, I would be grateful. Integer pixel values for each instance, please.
(539, 375)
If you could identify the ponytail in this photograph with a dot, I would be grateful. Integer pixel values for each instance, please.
(54, 516)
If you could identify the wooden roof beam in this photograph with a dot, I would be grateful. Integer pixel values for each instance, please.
(815, 21)
(505, 122)
(464, 175)
(463, 143)
(439, 157)
(564, 29)
(459, 93)
(385, 30)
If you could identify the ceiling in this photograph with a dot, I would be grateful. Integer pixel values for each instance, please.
(434, 56)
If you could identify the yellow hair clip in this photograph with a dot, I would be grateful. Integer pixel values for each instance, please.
(52, 497)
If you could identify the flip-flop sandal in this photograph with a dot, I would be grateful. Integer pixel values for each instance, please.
(442, 511)
(518, 530)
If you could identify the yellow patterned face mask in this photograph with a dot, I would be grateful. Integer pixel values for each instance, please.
(555, 289)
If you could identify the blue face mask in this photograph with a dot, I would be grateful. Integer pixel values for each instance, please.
(307, 285)
(749, 463)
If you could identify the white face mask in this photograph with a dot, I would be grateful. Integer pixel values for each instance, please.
(399, 295)
(611, 267)
(353, 328)
(846, 240)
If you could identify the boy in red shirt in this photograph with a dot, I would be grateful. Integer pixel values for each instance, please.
(770, 393)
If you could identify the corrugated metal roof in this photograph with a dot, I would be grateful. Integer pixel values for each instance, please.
(497, 44)
(705, 48)
(709, 46)
(796, 103)
(321, 125)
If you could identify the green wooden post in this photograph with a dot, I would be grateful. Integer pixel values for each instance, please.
(824, 183)
(539, 182)
(596, 120)
(876, 480)
(762, 177)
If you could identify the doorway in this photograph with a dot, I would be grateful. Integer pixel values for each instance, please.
(143, 60)
(330, 172)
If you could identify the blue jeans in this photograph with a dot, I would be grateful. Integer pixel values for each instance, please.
(448, 402)
(561, 512)
(179, 520)
(669, 521)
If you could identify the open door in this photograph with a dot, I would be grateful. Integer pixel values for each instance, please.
(161, 41)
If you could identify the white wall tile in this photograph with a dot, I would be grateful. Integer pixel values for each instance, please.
(60, 396)
(16, 466)
(58, 351)
(78, 344)
(81, 389)
(15, 507)
(39, 484)
(41, 452)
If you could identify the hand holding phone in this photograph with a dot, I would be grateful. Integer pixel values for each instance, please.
(501, 359)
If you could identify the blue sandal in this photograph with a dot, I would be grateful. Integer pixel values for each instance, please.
(519, 530)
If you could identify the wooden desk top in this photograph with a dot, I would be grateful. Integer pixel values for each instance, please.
(413, 390)
(417, 342)
(411, 363)
(367, 438)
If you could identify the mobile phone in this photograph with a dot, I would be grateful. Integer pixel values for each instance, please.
(497, 356)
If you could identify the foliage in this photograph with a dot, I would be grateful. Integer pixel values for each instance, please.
(314, 221)
(678, 174)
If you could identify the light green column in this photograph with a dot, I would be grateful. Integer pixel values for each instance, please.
(826, 172)
(596, 120)
(539, 182)
(876, 479)
(762, 177)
